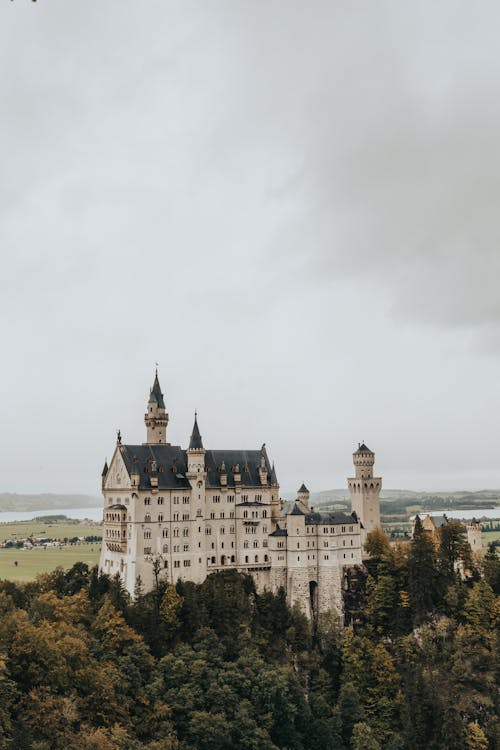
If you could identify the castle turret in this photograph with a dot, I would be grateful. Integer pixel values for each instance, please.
(475, 536)
(196, 453)
(303, 499)
(156, 417)
(365, 490)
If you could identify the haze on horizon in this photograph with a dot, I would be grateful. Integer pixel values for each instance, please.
(292, 207)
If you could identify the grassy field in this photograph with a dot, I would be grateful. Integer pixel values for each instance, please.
(30, 562)
(490, 536)
(23, 529)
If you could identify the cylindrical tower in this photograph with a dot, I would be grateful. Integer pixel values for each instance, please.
(365, 489)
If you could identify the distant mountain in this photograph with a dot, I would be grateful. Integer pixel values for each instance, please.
(11, 501)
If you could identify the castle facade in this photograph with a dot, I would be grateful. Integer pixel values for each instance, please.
(184, 514)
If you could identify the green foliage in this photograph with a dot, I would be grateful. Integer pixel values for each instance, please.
(219, 666)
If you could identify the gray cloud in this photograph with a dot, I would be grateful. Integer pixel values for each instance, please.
(291, 206)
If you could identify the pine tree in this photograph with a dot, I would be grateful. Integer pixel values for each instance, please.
(423, 576)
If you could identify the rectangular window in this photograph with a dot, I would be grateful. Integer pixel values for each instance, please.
(177, 563)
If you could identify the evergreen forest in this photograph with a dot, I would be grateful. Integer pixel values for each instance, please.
(218, 666)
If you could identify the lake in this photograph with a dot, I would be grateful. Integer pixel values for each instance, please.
(95, 514)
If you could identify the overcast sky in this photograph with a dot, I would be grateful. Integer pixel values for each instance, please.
(292, 206)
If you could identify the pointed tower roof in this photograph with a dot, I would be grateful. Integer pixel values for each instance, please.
(196, 442)
(303, 488)
(274, 479)
(105, 468)
(155, 395)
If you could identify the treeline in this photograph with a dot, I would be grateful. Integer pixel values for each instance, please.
(217, 666)
(436, 502)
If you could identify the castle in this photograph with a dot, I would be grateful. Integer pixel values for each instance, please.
(188, 513)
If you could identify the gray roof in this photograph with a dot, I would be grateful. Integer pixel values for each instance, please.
(296, 511)
(279, 532)
(171, 463)
(170, 460)
(105, 469)
(329, 519)
(155, 395)
(438, 520)
(196, 442)
(248, 463)
(303, 488)
(362, 448)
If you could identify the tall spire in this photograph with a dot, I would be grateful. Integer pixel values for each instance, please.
(155, 395)
(156, 418)
(196, 442)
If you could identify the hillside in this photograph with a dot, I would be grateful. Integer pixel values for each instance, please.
(11, 501)
(405, 498)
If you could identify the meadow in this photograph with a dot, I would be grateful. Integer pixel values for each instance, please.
(31, 562)
(55, 530)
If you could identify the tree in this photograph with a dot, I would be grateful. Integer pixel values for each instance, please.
(491, 569)
(170, 607)
(351, 711)
(363, 738)
(475, 737)
(423, 576)
(453, 548)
